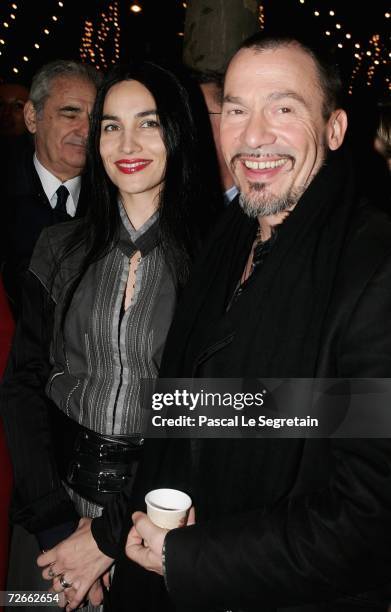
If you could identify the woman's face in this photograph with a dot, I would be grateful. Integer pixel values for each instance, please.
(131, 144)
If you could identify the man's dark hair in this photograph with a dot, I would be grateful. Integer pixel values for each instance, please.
(328, 73)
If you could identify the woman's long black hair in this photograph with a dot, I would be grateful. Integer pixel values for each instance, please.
(187, 203)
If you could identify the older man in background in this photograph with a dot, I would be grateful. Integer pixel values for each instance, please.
(46, 187)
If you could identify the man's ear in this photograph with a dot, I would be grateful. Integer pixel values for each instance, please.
(30, 117)
(336, 129)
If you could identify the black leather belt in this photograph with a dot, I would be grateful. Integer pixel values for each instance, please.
(96, 466)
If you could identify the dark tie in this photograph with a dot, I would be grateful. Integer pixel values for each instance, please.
(60, 208)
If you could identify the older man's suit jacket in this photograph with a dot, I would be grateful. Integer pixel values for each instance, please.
(26, 211)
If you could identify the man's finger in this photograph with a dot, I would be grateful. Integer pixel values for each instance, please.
(133, 538)
(144, 526)
(139, 554)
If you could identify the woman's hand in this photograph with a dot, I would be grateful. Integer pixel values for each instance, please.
(77, 562)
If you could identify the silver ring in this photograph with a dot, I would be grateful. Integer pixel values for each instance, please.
(64, 583)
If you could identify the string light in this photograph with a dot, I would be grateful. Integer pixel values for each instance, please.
(261, 17)
(12, 16)
(25, 58)
(95, 43)
(100, 42)
(369, 59)
(376, 50)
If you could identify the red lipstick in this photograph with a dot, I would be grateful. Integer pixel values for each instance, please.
(130, 166)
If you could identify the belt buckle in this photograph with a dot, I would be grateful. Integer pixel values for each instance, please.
(105, 475)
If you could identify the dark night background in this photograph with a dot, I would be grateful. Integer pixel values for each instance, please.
(155, 32)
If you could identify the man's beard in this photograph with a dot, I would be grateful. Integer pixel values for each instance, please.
(259, 203)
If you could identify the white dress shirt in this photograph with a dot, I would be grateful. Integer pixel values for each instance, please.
(51, 183)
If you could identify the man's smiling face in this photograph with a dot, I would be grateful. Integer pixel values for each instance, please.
(273, 133)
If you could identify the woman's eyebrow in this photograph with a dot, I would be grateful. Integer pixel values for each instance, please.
(145, 113)
(110, 117)
(140, 114)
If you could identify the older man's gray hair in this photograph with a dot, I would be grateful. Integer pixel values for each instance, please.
(43, 79)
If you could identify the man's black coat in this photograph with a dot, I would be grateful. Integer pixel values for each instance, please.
(294, 524)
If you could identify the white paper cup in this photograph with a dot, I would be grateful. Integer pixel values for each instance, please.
(168, 508)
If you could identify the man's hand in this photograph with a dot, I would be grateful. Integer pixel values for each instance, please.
(79, 562)
(145, 543)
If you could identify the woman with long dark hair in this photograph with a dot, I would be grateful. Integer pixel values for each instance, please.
(106, 287)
